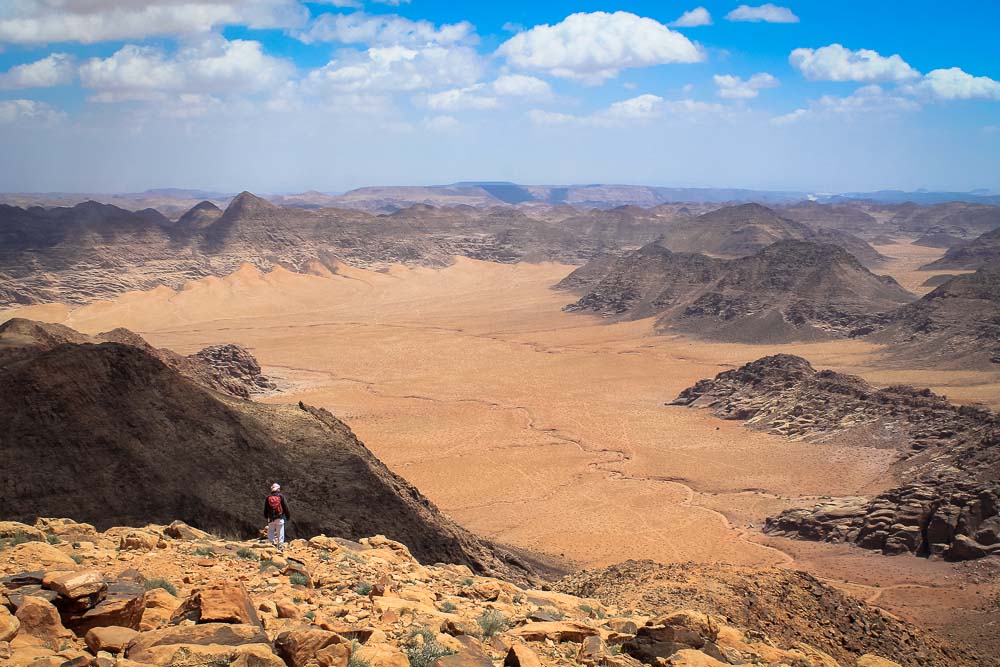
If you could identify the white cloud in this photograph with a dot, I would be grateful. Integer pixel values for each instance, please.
(213, 65)
(17, 111)
(694, 18)
(88, 21)
(470, 97)
(836, 63)
(867, 101)
(441, 123)
(955, 84)
(734, 88)
(641, 108)
(397, 69)
(519, 85)
(766, 13)
(385, 30)
(53, 70)
(597, 46)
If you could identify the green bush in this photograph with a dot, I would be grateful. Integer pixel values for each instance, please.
(204, 551)
(468, 581)
(53, 539)
(311, 615)
(324, 556)
(266, 563)
(356, 660)
(448, 607)
(492, 621)
(363, 588)
(77, 558)
(246, 553)
(422, 648)
(160, 582)
(298, 579)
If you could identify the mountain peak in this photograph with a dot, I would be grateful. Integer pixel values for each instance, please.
(247, 202)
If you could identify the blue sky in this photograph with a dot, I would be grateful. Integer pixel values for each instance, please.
(285, 95)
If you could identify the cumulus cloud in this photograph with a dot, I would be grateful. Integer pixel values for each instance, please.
(694, 18)
(88, 21)
(520, 85)
(54, 70)
(597, 46)
(396, 69)
(836, 63)
(767, 13)
(385, 30)
(442, 123)
(30, 111)
(734, 88)
(470, 97)
(214, 65)
(636, 109)
(867, 101)
(955, 84)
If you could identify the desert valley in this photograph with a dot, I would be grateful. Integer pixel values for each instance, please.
(560, 407)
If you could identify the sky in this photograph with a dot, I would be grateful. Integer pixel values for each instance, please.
(287, 95)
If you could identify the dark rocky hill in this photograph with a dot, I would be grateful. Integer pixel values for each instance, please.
(948, 502)
(112, 435)
(956, 325)
(979, 253)
(739, 231)
(790, 290)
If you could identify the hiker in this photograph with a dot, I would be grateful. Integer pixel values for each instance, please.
(276, 512)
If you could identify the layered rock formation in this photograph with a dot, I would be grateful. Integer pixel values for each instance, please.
(790, 290)
(172, 597)
(114, 434)
(951, 509)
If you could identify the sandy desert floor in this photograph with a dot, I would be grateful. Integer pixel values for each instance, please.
(547, 430)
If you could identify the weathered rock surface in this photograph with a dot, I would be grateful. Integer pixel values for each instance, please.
(951, 510)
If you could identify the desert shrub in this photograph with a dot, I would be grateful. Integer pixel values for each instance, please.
(448, 607)
(204, 551)
(246, 553)
(160, 582)
(298, 579)
(353, 557)
(356, 660)
(324, 556)
(422, 648)
(311, 615)
(266, 563)
(363, 588)
(492, 621)
(77, 558)
(53, 539)
(468, 581)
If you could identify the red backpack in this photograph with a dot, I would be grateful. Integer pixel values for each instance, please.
(274, 504)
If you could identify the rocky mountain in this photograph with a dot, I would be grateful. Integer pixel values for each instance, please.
(960, 219)
(948, 502)
(845, 217)
(174, 596)
(739, 231)
(979, 253)
(114, 435)
(787, 291)
(955, 325)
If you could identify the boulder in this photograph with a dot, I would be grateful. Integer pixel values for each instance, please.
(592, 651)
(869, 660)
(112, 639)
(122, 606)
(9, 625)
(222, 603)
(470, 654)
(382, 655)
(39, 619)
(520, 655)
(158, 606)
(157, 646)
(285, 608)
(324, 543)
(36, 555)
(662, 637)
(313, 647)
(76, 585)
(67, 529)
(559, 631)
(181, 531)
(14, 529)
(139, 540)
(692, 658)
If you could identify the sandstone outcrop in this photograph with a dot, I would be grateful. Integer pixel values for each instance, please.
(951, 510)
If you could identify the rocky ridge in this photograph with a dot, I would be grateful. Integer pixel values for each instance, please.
(951, 509)
(121, 437)
(791, 290)
(981, 252)
(174, 596)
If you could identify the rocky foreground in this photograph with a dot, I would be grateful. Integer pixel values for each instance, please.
(948, 455)
(174, 596)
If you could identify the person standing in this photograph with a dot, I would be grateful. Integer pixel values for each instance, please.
(276, 513)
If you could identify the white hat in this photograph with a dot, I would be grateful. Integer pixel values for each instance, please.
(276, 487)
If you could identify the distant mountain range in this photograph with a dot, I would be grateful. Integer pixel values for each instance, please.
(386, 199)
